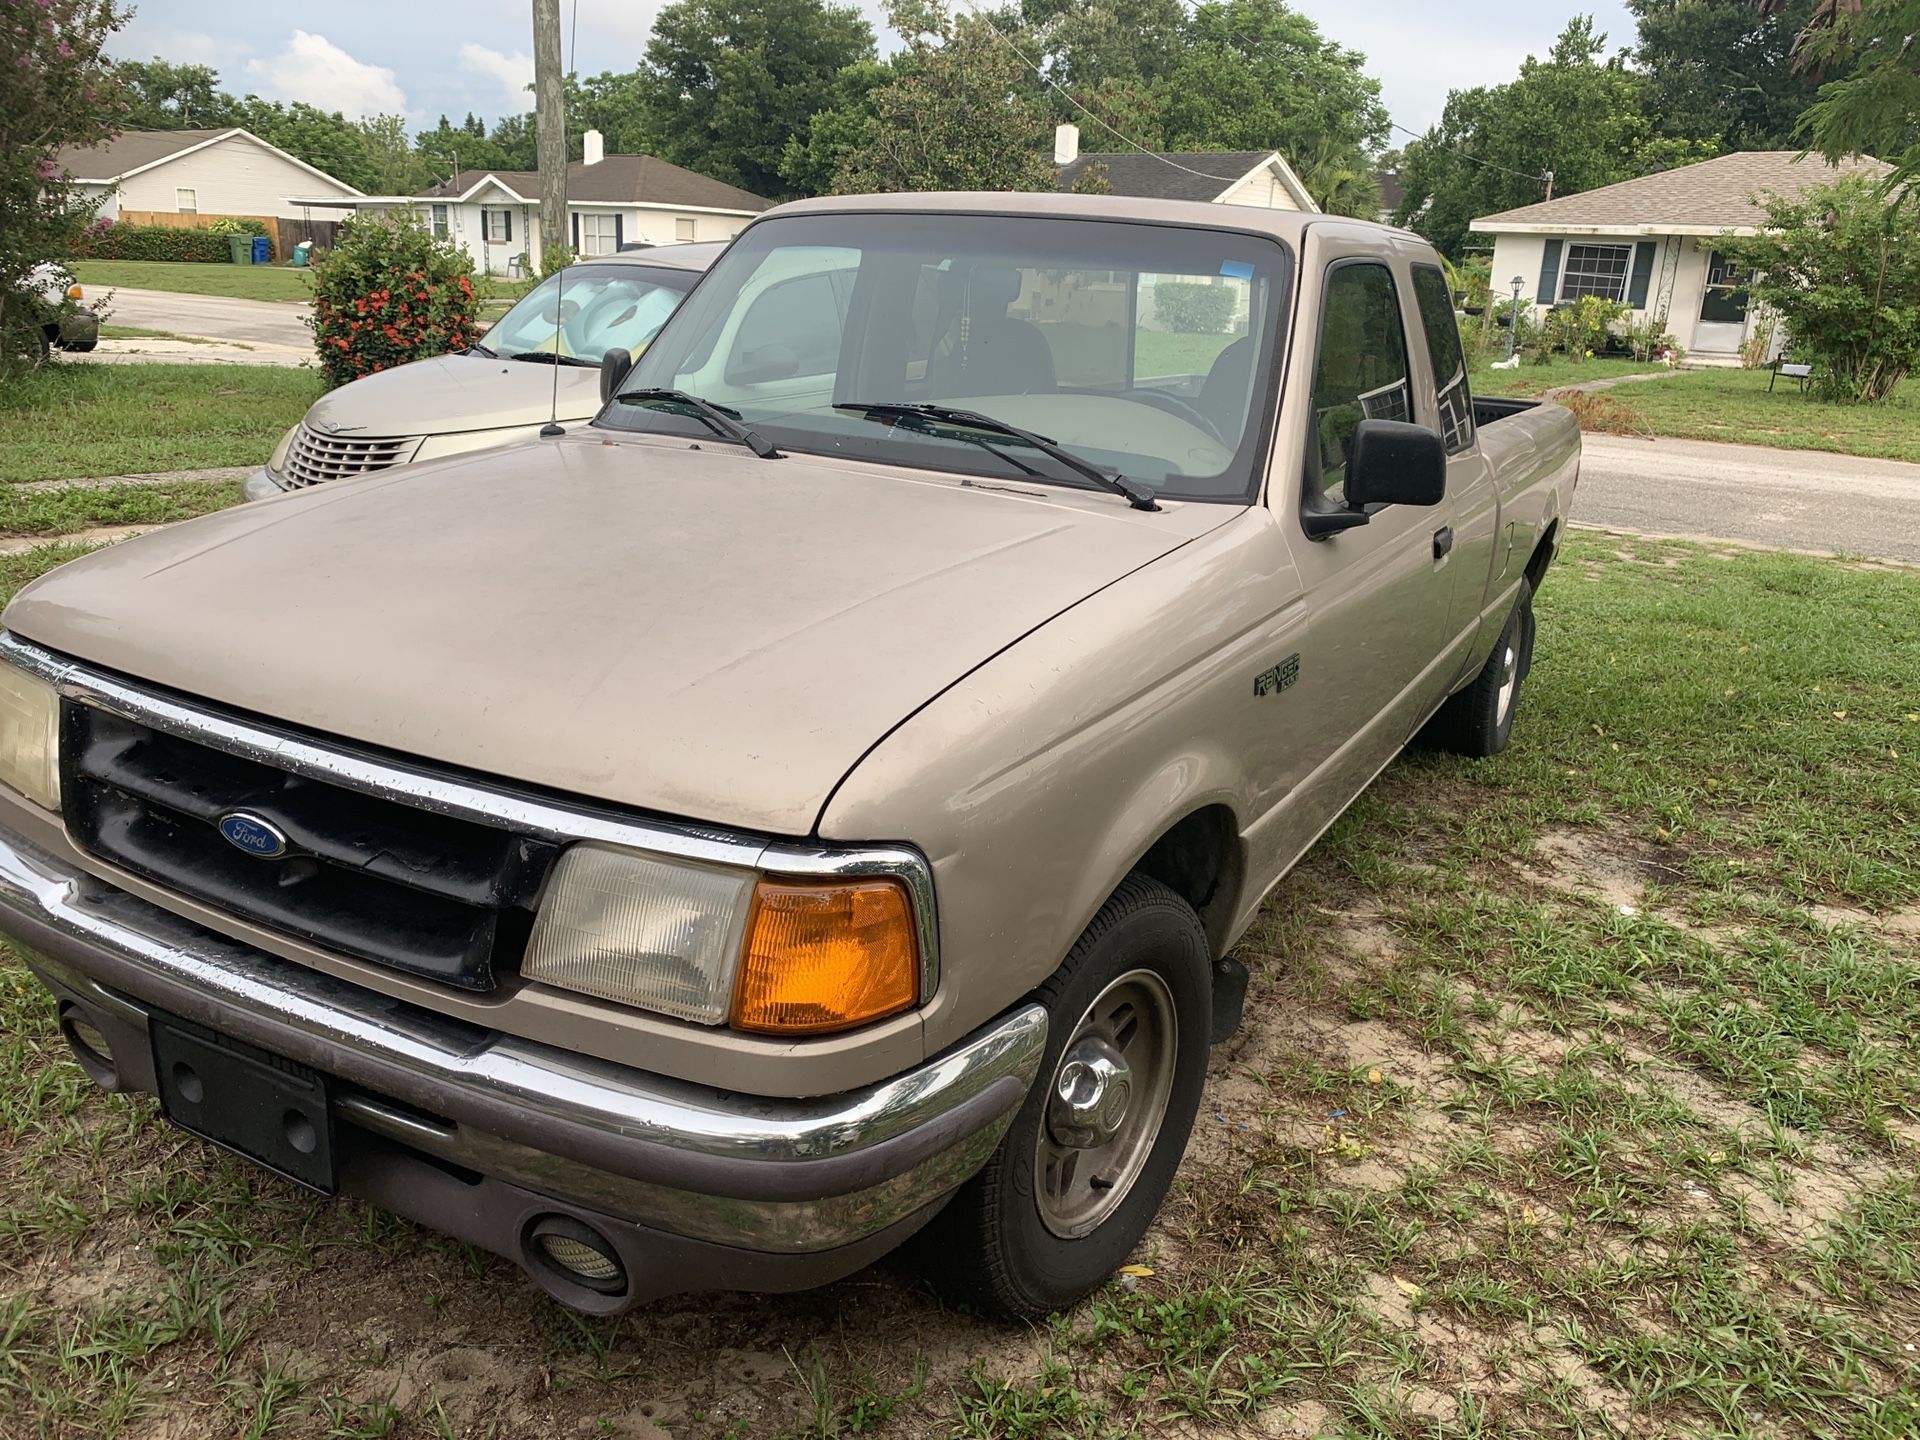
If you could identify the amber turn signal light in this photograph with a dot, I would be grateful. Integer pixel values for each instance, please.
(74, 292)
(825, 956)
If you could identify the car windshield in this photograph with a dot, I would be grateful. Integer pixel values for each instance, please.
(1139, 348)
(596, 308)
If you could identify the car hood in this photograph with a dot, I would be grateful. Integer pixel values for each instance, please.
(451, 393)
(687, 630)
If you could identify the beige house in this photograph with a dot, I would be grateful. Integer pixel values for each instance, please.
(612, 200)
(1220, 177)
(200, 172)
(1650, 242)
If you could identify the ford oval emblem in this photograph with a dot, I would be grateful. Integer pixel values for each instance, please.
(253, 835)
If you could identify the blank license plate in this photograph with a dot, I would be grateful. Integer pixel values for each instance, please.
(255, 1104)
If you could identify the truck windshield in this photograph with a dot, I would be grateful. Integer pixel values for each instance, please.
(599, 307)
(1139, 348)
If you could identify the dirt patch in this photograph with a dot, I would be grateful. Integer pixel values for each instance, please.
(1605, 865)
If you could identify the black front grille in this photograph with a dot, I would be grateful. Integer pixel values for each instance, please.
(379, 879)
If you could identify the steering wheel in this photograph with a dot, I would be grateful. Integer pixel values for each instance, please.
(1181, 409)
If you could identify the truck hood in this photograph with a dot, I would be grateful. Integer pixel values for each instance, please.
(686, 630)
(452, 393)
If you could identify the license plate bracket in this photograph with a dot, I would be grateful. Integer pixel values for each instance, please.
(272, 1111)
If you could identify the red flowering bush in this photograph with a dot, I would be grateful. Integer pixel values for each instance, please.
(389, 292)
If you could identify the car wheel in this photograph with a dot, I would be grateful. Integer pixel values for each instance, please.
(1478, 721)
(1083, 1168)
(80, 347)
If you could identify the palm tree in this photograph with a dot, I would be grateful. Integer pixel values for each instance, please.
(1340, 180)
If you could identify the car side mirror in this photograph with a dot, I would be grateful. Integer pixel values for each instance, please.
(1390, 462)
(613, 369)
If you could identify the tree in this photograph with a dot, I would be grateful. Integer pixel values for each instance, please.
(1840, 266)
(616, 106)
(60, 91)
(164, 96)
(1093, 43)
(1582, 117)
(326, 140)
(727, 83)
(1718, 70)
(389, 156)
(1339, 183)
(1870, 101)
(956, 115)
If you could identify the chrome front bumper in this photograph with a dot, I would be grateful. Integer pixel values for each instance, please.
(775, 1177)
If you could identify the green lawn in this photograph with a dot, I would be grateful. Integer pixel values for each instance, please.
(247, 282)
(1577, 1096)
(74, 419)
(1735, 405)
(64, 511)
(1530, 380)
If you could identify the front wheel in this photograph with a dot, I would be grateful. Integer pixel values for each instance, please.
(1083, 1168)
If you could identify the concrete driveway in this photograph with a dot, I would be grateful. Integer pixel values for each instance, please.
(1789, 499)
(220, 317)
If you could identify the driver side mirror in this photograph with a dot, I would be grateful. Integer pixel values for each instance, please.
(613, 369)
(763, 363)
(1390, 462)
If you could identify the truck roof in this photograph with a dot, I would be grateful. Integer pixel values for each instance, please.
(1283, 224)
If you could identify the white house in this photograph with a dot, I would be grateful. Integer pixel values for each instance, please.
(1650, 242)
(612, 200)
(1220, 177)
(200, 172)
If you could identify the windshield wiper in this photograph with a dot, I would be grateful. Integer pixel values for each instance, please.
(717, 418)
(478, 349)
(550, 357)
(1132, 491)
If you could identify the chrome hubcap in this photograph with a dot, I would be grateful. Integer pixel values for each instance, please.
(1509, 679)
(1105, 1103)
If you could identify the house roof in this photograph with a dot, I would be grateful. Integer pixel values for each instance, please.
(1710, 196)
(1152, 177)
(1393, 188)
(618, 179)
(132, 150)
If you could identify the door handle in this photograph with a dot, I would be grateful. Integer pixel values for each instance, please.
(1442, 542)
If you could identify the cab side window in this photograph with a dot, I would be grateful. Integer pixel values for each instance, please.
(1362, 370)
(1435, 301)
(793, 328)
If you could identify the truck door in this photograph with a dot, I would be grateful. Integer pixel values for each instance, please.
(1472, 510)
(1376, 596)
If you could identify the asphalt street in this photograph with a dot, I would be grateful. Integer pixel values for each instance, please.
(262, 322)
(1789, 499)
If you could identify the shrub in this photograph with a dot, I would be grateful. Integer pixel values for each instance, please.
(1840, 267)
(153, 242)
(238, 225)
(389, 292)
(1584, 326)
(1190, 309)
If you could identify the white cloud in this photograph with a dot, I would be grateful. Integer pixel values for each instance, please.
(314, 69)
(511, 73)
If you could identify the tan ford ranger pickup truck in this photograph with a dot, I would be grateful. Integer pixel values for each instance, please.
(817, 799)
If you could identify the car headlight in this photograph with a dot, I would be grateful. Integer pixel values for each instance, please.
(277, 465)
(718, 945)
(30, 736)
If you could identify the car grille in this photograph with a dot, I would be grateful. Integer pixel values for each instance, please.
(314, 457)
(439, 896)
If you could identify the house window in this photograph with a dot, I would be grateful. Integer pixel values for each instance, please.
(1596, 270)
(499, 226)
(683, 227)
(440, 221)
(187, 202)
(599, 234)
(1724, 301)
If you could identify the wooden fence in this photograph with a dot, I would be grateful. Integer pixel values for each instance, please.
(284, 233)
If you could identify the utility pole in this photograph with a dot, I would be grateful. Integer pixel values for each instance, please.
(550, 125)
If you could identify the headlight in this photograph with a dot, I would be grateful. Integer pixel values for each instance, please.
(278, 464)
(30, 736)
(717, 945)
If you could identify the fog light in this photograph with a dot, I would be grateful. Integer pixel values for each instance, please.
(579, 1253)
(90, 1046)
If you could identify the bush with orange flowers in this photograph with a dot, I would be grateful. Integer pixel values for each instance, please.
(388, 292)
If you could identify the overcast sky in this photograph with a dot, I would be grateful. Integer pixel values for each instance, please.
(420, 59)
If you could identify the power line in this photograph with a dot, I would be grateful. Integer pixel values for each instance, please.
(1468, 155)
(1047, 80)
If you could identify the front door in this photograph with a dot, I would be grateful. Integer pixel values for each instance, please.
(1722, 327)
(1378, 600)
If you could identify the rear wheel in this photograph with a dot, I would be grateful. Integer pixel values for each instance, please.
(1083, 1168)
(1478, 721)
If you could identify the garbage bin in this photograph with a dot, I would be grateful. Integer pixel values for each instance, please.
(301, 251)
(262, 250)
(240, 248)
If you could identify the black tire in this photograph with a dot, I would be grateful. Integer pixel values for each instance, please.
(80, 347)
(1478, 721)
(992, 1247)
